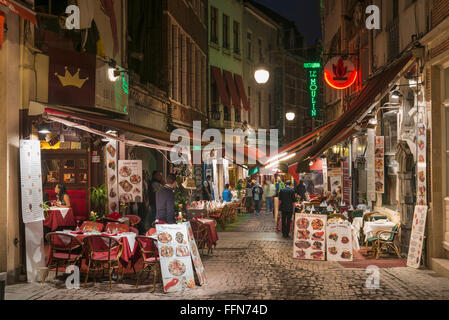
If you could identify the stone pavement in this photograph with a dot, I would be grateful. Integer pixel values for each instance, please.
(258, 265)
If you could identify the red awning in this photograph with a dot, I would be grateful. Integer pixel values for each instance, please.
(20, 10)
(232, 89)
(2, 26)
(224, 96)
(242, 92)
(376, 86)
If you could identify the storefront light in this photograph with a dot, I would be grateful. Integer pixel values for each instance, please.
(111, 74)
(262, 76)
(373, 121)
(290, 116)
(288, 157)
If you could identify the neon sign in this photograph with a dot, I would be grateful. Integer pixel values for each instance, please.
(312, 69)
(340, 74)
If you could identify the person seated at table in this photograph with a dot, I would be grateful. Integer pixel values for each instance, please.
(338, 195)
(227, 195)
(62, 198)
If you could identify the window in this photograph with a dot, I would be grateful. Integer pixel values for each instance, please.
(181, 69)
(250, 46)
(271, 111)
(214, 25)
(226, 43)
(173, 62)
(226, 114)
(260, 50)
(215, 100)
(238, 115)
(236, 37)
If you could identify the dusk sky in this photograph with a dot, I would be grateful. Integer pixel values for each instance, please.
(305, 13)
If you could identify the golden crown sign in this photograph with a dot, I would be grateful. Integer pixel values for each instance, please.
(71, 80)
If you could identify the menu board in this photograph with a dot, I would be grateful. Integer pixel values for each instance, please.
(339, 241)
(175, 259)
(422, 166)
(417, 237)
(325, 182)
(379, 164)
(130, 180)
(111, 175)
(347, 183)
(371, 173)
(199, 267)
(309, 242)
(31, 181)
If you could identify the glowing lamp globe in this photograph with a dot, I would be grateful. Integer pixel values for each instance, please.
(262, 76)
(290, 116)
(111, 75)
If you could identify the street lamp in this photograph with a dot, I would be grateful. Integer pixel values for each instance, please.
(290, 116)
(262, 75)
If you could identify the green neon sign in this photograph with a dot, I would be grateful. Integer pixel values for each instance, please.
(312, 65)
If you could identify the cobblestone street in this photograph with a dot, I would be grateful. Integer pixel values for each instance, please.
(255, 263)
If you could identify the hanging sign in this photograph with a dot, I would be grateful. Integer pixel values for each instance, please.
(417, 237)
(339, 73)
(312, 70)
(112, 183)
(379, 156)
(371, 173)
(422, 167)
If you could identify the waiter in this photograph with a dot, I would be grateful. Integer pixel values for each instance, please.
(287, 197)
(165, 201)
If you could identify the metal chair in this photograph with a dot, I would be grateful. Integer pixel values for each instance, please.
(200, 233)
(151, 261)
(65, 250)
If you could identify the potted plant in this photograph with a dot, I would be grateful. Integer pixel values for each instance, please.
(99, 197)
(46, 208)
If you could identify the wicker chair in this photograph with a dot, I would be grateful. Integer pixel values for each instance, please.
(103, 254)
(220, 216)
(65, 250)
(151, 263)
(133, 220)
(200, 233)
(370, 216)
(388, 243)
(336, 216)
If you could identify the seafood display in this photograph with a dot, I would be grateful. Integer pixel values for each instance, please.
(309, 236)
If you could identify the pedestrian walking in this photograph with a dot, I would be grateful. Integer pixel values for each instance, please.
(269, 191)
(249, 196)
(227, 195)
(257, 194)
(279, 185)
(165, 201)
(287, 198)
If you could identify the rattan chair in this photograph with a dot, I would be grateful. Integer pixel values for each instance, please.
(200, 232)
(151, 261)
(103, 254)
(388, 243)
(133, 220)
(65, 250)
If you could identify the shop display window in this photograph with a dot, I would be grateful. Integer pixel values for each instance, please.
(69, 178)
(69, 164)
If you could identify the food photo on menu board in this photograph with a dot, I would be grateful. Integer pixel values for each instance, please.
(130, 180)
(111, 160)
(198, 264)
(339, 241)
(175, 259)
(309, 241)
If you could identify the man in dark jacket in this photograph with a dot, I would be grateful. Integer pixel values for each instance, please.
(165, 201)
(301, 190)
(257, 196)
(287, 198)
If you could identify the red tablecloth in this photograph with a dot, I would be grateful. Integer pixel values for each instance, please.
(55, 220)
(212, 236)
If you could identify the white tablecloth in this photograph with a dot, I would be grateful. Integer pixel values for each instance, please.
(62, 210)
(371, 228)
(131, 236)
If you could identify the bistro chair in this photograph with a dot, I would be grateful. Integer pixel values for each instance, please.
(112, 227)
(65, 250)
(385, 240)
(89, 226)
(369, 217)
(103, 254)
(220, 216)
(336, 217)
(200, 233)
(106, 220)
(133, 220)
(151, 261)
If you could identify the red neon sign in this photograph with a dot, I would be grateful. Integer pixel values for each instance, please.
(340, 74)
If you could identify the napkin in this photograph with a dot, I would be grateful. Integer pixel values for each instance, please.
(77, 232)
(329, 208)
(115, 215)
(323, 204)
(109, 235)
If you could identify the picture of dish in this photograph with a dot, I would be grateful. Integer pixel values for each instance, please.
(379, 152)
(300, 254)
(421, 130)
(135, 179)
(176, 268)
(346, 254)
(379, 163)
(113, 207)
(318, 236)
(302, 223)
(345, 240)
(111, 164)
(194, 249)
(182, 251)
(333, 250)
(317, 224)
(112, 179)
(112, 194)
(166, 251)
(318, 255)
(422, 176)
(111, 150)
(380, 175)
(422, 190)
(197, 263)
(333, 236)
(421, 158)
(164, 237)
(179, 237)
(138, 199)
(421, 145)
(317, 245)
(379, 186)
(191, 284)
(125, 171)
(136, 191)
(303, 234)
(302, 244)
(126, 186)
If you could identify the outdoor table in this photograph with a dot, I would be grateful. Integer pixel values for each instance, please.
(212, 236)
(60, 217)
(193, 213)
(371, 228)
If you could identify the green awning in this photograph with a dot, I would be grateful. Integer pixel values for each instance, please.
(253, 171)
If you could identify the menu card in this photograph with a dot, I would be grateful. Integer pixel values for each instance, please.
(422, 165)
(380, 164)
(339, 241)
(309, 237)
(111, 163)
(31, 181)
(370, 167)
(130, 180)
(198, 264)
(417, 237)
(175, 257)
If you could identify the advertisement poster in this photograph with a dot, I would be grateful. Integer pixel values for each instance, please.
(347, 183)
(325, 181)
(335, 182)
(371, 173)
(111, 175)
(379, 156)
(339, 241)
(130, 180)
(31, 181)
(198, 264)
(417, 237)
(309, 242)
(422, 166)
(175, 259)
